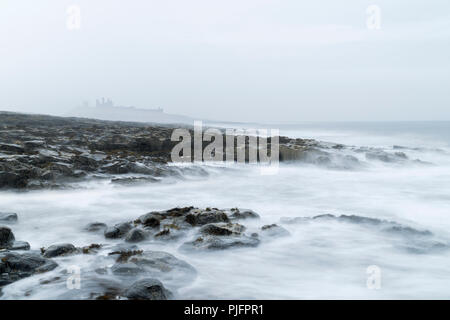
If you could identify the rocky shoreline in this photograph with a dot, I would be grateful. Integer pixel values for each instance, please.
(39, 151)
(44, 152)
(135, 273)
(119, 269)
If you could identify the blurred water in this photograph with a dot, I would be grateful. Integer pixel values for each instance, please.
(318, 260)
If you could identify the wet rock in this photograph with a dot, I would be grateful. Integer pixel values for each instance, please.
(6, 237)
(359, 219)
(33, 145)
(236, 214)
(85, 162)
(133, 180)
(8, 217)
(158, 262)
(19, 245)
(15, 266)
(199, 218)
(117, 231)
(222, 229)
(163, 234)
(95, 226)
(326, 216)
(93, 248)
(59, 250)
(221, 242)
(274, 230)
(136, 235)
(386, 157)
(124, 253)
(12, 180)
(151, 219)
(126, 269)
(407, 231)
(12, 148)
(47, 175)
(147, 289)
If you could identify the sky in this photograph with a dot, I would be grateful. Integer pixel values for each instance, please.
(234, 60)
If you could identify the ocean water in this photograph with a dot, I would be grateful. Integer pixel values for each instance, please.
(320, 259)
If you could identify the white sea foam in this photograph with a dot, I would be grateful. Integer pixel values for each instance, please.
(321, 259)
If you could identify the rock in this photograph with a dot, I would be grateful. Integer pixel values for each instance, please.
(126, 269)
(199, 218)
(8, 217)
(48, 175)
(407, 231)
(222, 229)
(6, 237)
(12, 180)
(117, 231)
(19, 245)
(95, 226)
(15, 266)
(92, 248)
(59, 250)
(221, 242)
(33, 144)
(242, 214)
(326, 216)
(124, 253)
(133, 180)
(13, 148)
(274, 230)
(162, 262)
(136, 235)
(147, 289)
(359, 219)
(151, 219)
(386, 157)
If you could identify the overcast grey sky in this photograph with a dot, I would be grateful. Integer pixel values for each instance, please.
(240, 60)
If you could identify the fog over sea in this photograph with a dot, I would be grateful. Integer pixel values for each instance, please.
(320, 259)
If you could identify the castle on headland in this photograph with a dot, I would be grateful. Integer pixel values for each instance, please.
(105, 109)
(108, 103)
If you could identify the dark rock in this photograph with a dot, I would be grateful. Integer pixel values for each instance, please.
(162, 262)
(19, 245)
(126, 269)
(274, 230)
(199, 218)
(326, 216)
(163, 233)
(59, 250)
(93, 248)
(117, 231)
(13, 148)
(386, 157)
(125, 253)
(15, 266)
(48, 175)
(360, 219)
(33, 144)
(242, 214)
(136, 235)
(12, 180)
(133, 180)
(95, 226)
(221, 242)
(148, 289)
(6, 217)
(407, 231)
(151, 219)
(6, 237)
(222, 229)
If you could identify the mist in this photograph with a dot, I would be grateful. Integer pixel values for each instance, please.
(258, 61)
